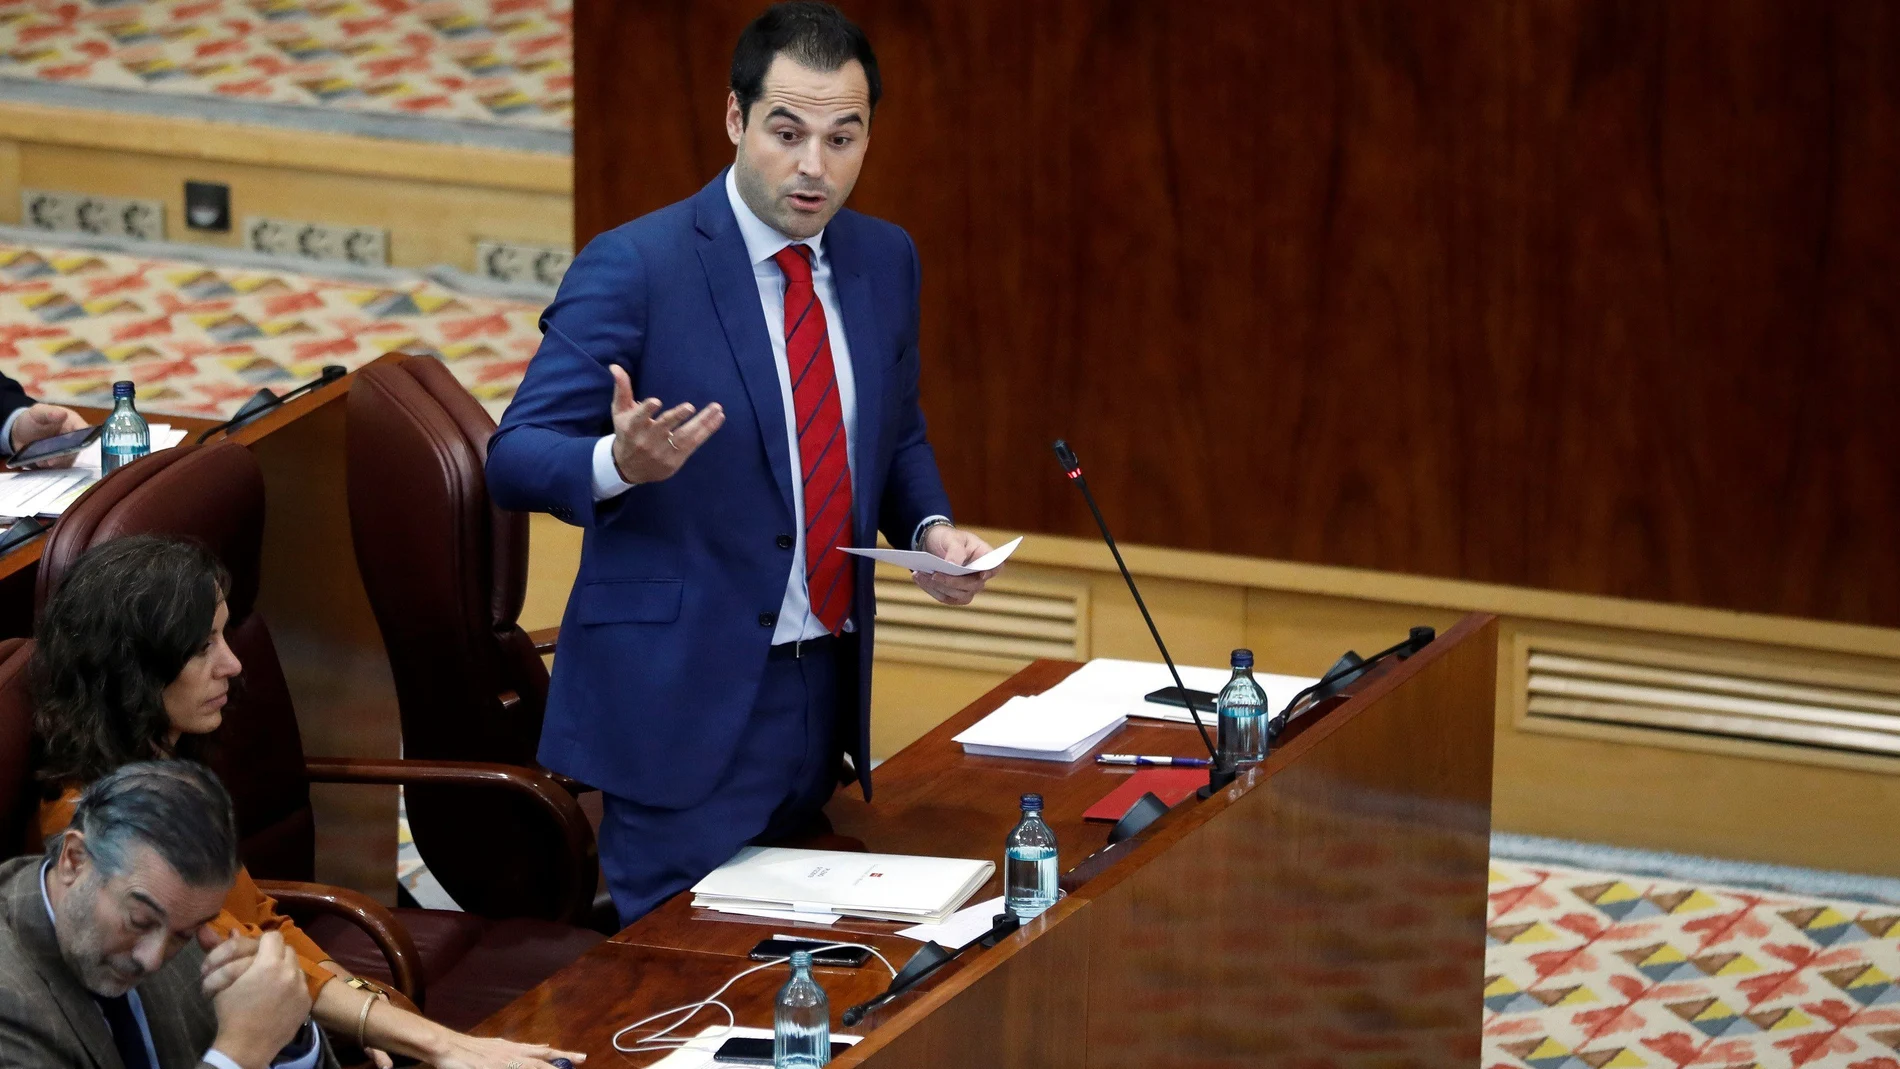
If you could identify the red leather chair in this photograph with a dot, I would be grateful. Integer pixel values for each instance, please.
(446, 572)
(467, 965)
(19, 794)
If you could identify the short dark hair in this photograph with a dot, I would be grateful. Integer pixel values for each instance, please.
(114, 635)
(814, 34)
(177, 808)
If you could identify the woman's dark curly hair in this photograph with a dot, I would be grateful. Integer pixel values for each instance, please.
(114, 635)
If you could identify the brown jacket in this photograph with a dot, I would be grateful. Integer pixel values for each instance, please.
(48, 1019)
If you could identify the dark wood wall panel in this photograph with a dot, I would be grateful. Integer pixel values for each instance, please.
(1578, 294)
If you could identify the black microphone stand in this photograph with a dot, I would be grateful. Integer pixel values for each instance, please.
(1219, 773)
(264, 400)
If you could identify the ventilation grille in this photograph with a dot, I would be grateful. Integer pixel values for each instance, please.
(1747, 702)
(1011, 619)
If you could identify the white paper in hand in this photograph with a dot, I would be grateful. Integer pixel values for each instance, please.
(918, 561)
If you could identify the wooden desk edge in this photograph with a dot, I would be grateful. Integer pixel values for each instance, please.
(28, 555)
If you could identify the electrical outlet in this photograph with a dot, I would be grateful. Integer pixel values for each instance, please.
(124, 217)
(47, 211)
(270, 236)
(506, 261)
(333, 242)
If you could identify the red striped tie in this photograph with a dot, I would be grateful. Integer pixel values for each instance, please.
(821, 442)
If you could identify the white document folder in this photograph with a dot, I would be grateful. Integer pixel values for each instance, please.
(1042, 728)
(887, 887)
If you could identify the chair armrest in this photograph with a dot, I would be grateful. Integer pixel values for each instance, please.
(382, 927)
(577, 877)
(544, 639)
(568, 783)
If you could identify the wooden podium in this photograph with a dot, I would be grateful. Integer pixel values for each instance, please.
(1325, 909)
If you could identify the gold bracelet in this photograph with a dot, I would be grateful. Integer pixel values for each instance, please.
(362, 1020)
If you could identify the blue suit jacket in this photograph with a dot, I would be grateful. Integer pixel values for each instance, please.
(665, 637)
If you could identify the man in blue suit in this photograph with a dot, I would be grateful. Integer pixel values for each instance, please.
(715, 663)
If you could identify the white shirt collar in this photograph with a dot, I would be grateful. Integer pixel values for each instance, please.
(762, 240)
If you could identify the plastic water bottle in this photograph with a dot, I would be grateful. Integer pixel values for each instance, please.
(1243, 716)
(126, 437)
(801, 1022)
(1029, 863)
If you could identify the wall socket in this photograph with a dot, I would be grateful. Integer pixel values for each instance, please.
(85, 213)
(366, 245)
(506, 261)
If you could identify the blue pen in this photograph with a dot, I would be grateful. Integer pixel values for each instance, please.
(1146, 761)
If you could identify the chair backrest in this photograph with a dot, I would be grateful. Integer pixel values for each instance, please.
(214, 495)
(19, 794)
(446, 571)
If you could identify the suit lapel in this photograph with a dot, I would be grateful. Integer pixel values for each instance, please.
(35, 932)
(735, 294)
(867, 364)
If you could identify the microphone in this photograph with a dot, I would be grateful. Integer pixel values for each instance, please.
(264, 400)
(24, 530)
(1219, 773)
(929, 958)
(1349, 669)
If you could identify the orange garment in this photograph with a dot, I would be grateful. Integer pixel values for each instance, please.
(247, 909)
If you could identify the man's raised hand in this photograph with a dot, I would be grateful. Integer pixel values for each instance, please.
(650, 445)
(264, 1006)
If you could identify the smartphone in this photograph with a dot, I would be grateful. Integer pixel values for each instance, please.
(837, 957)
(1176, 696)
(758, 1051)
(58, 445)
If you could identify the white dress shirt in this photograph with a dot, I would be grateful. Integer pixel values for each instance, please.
(6, 430)
(305, 1040)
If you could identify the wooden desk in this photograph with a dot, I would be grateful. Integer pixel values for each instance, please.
(320, 617)
(1326, 909)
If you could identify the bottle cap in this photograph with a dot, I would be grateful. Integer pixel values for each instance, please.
(801, 959)
(1032, 801)
(122, 388)
(1243, 658)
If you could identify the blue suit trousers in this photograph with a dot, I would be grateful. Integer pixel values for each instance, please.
(780, 777)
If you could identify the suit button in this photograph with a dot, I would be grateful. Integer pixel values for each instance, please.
(768, 619)
(784, 541)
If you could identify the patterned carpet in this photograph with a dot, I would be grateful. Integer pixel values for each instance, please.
(1591, 970)
(507, 62)
(199, 337)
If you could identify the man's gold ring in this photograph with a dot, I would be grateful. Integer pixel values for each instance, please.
(671, 442)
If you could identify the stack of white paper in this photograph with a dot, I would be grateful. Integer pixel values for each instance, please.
(1123, 686)
(919, 561)
(47, 491)
(1043, 727)
(886, 887)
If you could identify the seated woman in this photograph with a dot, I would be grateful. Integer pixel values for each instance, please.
(131, 664)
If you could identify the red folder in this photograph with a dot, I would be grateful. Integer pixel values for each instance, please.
(1168, 784)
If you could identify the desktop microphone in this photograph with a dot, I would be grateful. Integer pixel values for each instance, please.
(1349, 669)
(264, 400)
(1219, 773)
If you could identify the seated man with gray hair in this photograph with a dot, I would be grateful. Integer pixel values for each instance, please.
(104, 956)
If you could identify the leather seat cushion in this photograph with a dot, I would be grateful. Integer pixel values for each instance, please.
(511, 957)
(472, 966)
(443, 937)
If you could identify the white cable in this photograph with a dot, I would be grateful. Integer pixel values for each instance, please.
(658, 1041)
